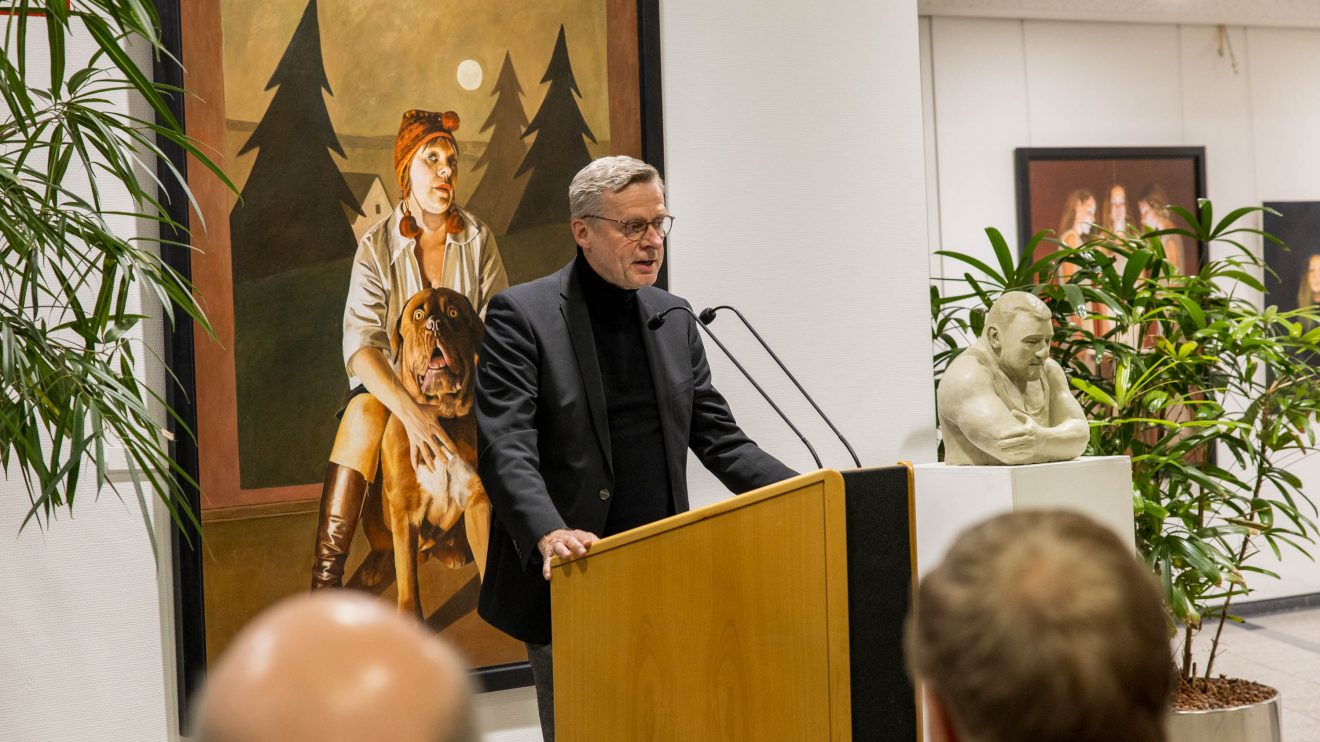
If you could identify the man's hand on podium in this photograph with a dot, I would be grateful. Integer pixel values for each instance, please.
(564, 543)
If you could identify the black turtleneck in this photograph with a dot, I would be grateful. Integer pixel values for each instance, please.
(641, 479)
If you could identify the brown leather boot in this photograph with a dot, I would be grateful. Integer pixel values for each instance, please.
(341, 504)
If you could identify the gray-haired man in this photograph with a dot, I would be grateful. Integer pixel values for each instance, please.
(584, 415)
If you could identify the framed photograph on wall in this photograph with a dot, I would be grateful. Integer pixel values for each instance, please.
(1293, 281)
(1127, 190)
(360, 136)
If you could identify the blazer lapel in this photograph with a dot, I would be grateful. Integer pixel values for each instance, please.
(578, 320)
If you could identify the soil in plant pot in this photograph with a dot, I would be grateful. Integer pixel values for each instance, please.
(1204, 694)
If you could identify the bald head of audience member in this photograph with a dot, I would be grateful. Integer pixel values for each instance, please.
(1041, 626)
(336, 666)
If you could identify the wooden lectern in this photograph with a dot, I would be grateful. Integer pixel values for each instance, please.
(774, 615)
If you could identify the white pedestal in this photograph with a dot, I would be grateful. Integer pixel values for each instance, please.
(950, 499)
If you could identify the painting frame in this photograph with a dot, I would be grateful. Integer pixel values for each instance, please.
(16, 7)
(181, 341)
(1025, 157)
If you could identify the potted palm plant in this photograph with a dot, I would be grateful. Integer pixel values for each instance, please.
(79, 175)
(1204, 389)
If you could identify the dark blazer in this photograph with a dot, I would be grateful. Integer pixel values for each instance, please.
(543, 448)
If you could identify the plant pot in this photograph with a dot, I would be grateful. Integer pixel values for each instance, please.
(1257, 722)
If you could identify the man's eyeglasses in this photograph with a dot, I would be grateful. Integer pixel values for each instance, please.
(634, 229)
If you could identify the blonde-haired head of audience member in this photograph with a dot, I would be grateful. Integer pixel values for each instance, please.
(336, 666)
(1041, 626)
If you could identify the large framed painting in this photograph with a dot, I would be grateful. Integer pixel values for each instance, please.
(395, 164)
(1074, 191)
(1293, 279)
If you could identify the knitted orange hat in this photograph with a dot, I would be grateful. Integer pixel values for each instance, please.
(416, 130)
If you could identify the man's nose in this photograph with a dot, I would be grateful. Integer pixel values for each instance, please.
(651, 235)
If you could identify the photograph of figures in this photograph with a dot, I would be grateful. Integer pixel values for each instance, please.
(1293, 279)
(1076, 192)
(396, 165)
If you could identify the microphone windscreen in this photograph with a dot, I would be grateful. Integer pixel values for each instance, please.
(655, 322)
(707, 316)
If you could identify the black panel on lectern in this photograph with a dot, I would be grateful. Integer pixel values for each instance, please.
(879, 591)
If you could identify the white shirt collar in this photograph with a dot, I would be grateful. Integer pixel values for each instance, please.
(399, 244)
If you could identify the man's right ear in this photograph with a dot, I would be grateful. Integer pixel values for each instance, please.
(581, 231)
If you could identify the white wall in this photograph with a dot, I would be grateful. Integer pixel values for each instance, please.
(84, 657)
(997, 84)
(795, 162)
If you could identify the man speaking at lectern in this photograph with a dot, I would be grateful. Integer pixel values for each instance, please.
(585, 414)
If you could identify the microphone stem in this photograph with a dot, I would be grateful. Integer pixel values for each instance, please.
(749, 378)
(793, 378)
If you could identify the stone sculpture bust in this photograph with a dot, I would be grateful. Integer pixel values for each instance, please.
(1004, 400)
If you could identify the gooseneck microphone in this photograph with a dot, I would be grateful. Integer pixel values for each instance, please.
(659, 319)
(708, 315)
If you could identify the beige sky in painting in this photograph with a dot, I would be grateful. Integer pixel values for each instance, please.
(384, 56)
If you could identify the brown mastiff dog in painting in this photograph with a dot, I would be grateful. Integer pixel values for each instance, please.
(436, 342)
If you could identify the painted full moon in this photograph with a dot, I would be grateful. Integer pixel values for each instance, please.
(469, 74)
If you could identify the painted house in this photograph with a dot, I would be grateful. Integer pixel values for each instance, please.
(369, 191)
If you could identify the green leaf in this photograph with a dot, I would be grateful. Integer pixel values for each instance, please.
(1236, 214)
(1193, 221)
(1244, 278)
(110, 45)
(1197, 314)
(122, 326)
(1075, 298)
(55, 43)
(1093, 391)
(1007, 265)
(980, 292)
(135, 475)
(975, 263)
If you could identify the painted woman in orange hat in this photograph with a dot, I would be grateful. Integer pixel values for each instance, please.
(428, 241)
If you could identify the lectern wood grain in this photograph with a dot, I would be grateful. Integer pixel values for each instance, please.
(725, 623)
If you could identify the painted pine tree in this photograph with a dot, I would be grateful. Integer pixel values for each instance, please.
(292, 249)
(291, 212)
(559, 150)
(498, 193)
